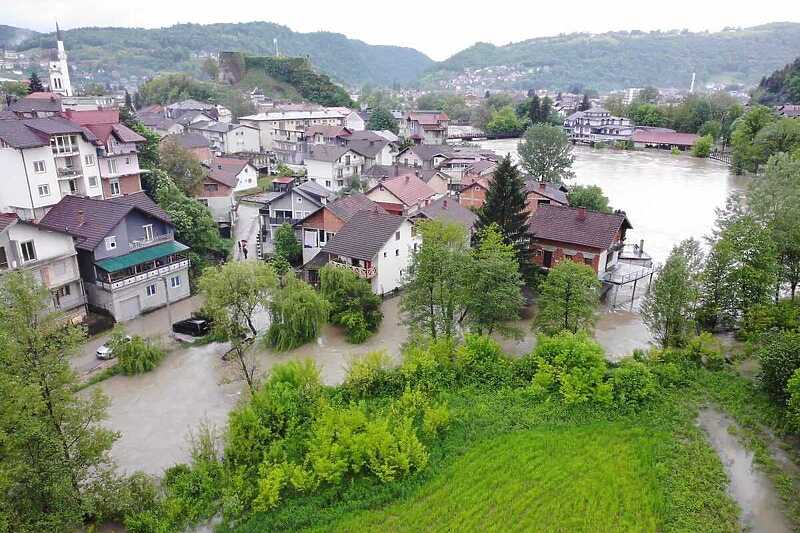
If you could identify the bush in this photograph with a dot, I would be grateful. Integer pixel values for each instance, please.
(353, 304)
(297, 313)
(702, 146)
(793, 405)
(780, 358)
(573, 366)
(137, 355)
(633, 383)
(762, 318)
(429, 366)
(706, 351)
(371, 375)
(480, 360)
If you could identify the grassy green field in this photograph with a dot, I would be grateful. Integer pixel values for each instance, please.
(598, 477)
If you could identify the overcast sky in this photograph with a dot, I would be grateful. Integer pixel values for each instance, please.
(438, 28)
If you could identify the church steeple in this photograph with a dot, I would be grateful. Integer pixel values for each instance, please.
(59, 37)
(59, 71)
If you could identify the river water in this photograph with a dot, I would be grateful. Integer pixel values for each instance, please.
(667, 197)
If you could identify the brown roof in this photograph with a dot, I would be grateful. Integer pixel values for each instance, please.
(664, 137)
(327, 131)
(188, 140)
(33, 104)
(548, 190)
(577, 226)
(364, 235)
(347, 206)
(6, 219)
(226, 170)
(99, 216)
(409, 189)
(326, 152)
(428, 117)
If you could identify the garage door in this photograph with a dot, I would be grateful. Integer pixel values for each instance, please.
(129, 309)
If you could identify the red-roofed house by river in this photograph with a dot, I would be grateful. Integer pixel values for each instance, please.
(663, 138)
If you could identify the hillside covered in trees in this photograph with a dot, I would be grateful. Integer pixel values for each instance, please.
(780, 87)
(147, 52)
(617, 60)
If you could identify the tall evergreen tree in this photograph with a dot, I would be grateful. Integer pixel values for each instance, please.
(506, 206)
(35, 84)
(533, 110)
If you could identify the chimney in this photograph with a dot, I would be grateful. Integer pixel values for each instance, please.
(641, 246)
(81, 217)
(542, 186)
(581, 213)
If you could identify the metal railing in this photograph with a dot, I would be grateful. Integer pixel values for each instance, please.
(63, 172)
(144, 276)
(143, 243)
(277, 221)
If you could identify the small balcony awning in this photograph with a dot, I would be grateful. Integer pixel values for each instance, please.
(113, 264)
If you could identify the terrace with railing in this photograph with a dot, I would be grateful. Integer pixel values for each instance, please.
(362, 272)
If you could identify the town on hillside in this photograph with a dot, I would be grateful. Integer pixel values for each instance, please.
(256, 297)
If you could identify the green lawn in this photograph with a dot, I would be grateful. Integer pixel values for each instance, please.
(590, 478)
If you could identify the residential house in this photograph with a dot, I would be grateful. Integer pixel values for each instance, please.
(44, 159)
(539, 193)
(424, 155)
(278, 207)
(425, 127)
(377, 246)
(37, 105)
(375, 147)
(788, 110)
(194, 143)
(326, 134)
(446, 209)
(320, 226)
(50, 257)
(437, 180)
(127, 253)
(226, 177)
(117, 154)
(577, 234)
(227, 138)
(193, 117)
(473, 191)
(402, 195)
(178, 109)
(597, 125)
(333, 166)
(160, 124)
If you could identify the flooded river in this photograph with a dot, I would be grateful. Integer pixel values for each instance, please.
(668, 198)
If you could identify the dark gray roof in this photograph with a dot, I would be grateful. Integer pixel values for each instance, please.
(188, 140)
(32, 132)
(364, 235)
(449, 210)
(314, 189)
(187, 117)
(17, 135)
(326, 152)
(347, 206)
(548, 190)
(33, 105)
(99, 216)
(156, 121)
(426, 152)
(367, 148)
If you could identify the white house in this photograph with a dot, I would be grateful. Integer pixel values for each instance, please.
(43, 160)
(51, 259)
(376, 245)
(228, 138)
(333, 166)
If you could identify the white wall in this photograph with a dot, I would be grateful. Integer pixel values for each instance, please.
(243, 139)
(393, 260)
(247, 178)
(321, 172)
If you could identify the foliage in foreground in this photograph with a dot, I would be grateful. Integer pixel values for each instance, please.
(568, 298)
(353, 304)
(137, 355)
(297, 313)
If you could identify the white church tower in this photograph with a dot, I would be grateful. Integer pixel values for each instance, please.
(59, 72)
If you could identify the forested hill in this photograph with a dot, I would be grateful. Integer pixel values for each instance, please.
(146, 52)
(780, 87)
(627, 59)
(11, 36)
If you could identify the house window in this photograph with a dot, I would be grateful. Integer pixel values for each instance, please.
(384, 254)
(127, 160)
(175, 281)
(112, 166)
(210, 187)
(150, 290)
(63, 291)
(114, 186)
(44, 190)
(299, 200)
(88, 160)
(92, 181)
(111, 243)
(587, 261)
(397, 236)
(3, 258)
(28, 251)
(38, 166)
(397, 253)
(148, 232)
(328, 183)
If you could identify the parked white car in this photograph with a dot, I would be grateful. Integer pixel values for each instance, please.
(106, 352)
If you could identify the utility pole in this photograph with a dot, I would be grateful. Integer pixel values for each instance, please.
(169, 310)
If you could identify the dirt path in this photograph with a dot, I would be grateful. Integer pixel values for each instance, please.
(761, 506)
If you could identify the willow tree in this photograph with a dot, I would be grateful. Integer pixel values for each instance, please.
(297, 313)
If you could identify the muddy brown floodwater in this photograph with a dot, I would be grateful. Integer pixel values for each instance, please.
(747, 485)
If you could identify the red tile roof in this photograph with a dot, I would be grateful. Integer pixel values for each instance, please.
(664, 137)
(577, 226)
(409, 189)
(226, 170)
(84, 118)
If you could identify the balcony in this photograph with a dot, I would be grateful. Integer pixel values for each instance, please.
(145, 276)
(279, 221)
(142, 243)
(68, 173)
(361, 272)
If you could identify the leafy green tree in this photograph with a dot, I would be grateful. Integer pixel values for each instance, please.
(781, 136)
(747, 156)
(568, 298)
(353, 304)
(794, 88)
(648, 95)
(492, 285)
(775, 201)
(506, 207)
(546, 153)
(194, 225)
(14, 88)
(234, 293)
(55, 452)
(381, 118)
(148, 150)
(504, 123)
(433, 301)
(589, 196)
(779, 355)
(34, 83)
(711, 127)
(210, 68)
(702, 146)
(644, 114)
(287, 246)
(669, 306)
(297, 313)
(183, 167)
(793, 402)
